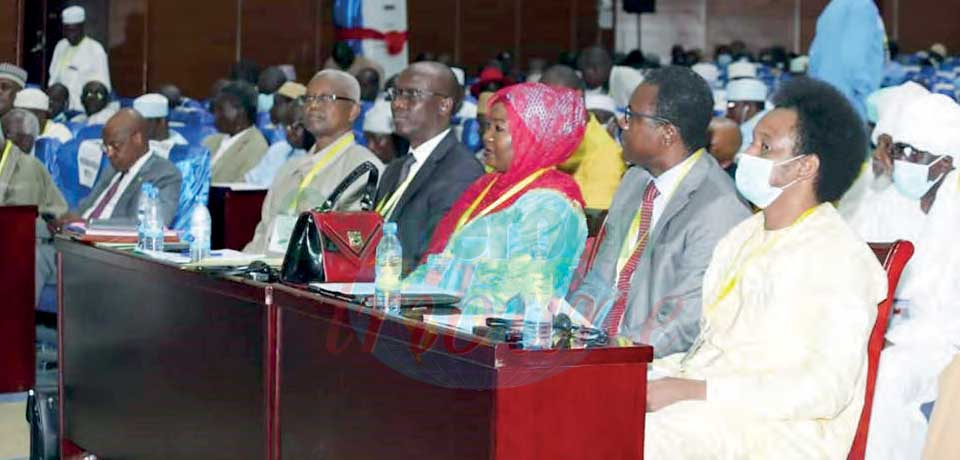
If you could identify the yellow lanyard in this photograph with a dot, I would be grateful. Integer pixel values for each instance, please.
(386, 206)
(733, 276)
(627, 249)
(341, 145)
(466, 217)
(6, 153)
(68, 56)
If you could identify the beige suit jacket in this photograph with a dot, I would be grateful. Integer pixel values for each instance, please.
(241, 157)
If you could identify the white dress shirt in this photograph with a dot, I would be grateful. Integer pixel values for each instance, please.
(125, 182)
(420, 156)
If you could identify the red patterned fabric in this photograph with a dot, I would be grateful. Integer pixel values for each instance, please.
(395, 40)
(546, 126)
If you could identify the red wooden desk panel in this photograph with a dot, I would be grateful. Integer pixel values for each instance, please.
(17, 326)
(235, 215)
(353, 387)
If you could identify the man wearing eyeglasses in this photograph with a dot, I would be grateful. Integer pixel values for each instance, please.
(419, 187)
(923, 206)
(331, 105)
(115, 196)
(96, 104)
(671, 209)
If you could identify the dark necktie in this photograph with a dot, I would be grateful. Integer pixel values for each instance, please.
(612, 323)
(106, 198)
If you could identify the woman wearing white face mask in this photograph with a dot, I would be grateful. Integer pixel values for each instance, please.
(789, 300)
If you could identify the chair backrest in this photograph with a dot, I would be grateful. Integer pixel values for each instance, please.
(89, 132)
(195, 133)
(194, 165)
(46, 151)
(894, 257)
(77, 165)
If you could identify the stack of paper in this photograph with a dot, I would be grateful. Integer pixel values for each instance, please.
(111, 233)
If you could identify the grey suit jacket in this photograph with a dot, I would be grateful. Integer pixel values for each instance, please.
(158, 171)
(664, 301)
(241, 157)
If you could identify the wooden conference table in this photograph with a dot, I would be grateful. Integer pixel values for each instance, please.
(158, 362)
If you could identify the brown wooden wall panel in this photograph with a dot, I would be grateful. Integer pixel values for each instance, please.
(11, 20)
(925, 22)
(488, 27)
(585, 21)
(191, 43)
(274, 33)
(433, 27)
(547, 29)
(128, 41)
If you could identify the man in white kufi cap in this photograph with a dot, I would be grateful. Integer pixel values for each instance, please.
(154, 108)
(78, 59)
(38, 103)
(746, 105)
(922, 207)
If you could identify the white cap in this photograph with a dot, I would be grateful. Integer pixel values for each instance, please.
(929, 123)
(746, 89)
(708, 71)
(890, 103)
(74, 15)
(32, 98)
(152, 105)
(379, 119)
(600, 102)
(939, 48)
(799, 64)
(458, 72)
(741, 69)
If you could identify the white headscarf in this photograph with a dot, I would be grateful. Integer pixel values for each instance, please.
(890, 102)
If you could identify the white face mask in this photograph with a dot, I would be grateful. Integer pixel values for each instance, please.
(753, 179)
(264, 102)
(911, 179)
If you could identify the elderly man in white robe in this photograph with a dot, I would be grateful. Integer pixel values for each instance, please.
(790, 298)
(78, 59)
(38, 103)
(923, 206)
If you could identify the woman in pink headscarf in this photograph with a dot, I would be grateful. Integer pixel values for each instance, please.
(520, 229)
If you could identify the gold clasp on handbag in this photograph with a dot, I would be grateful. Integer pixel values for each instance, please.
(355, 239)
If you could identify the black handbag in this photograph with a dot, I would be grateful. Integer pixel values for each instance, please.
(333, 246)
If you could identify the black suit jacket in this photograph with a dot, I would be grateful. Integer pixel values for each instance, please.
(448, 171)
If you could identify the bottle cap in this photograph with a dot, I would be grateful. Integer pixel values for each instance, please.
(390, 227)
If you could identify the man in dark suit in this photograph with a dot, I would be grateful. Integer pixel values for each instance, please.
(418, 188)
(115, 195)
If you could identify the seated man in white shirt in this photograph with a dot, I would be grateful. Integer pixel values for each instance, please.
(154, 108)
(38, 103)
(115, 196)
(96, 104)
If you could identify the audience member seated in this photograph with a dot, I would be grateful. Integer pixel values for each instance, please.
(154, 109)
(378, 129)
(668, 214)
(343, 58)
(59, 99)
(923, 206)
(283, 100)
(419, 188)
(12, 80)
(96, 105)
(268, 83)
(525, 220)
(38, 104)
(78, 59)
(22, 128)
(725, 142)
(305, 182)
(790, 299)
(595, 64)
(597, 165)
(133, 162)
(369, 80)
(746, 98)
(239, 146)
(298, 142)
(602, 107)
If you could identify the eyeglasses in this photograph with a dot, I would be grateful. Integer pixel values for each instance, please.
(904, 151)
(411, 94)
(106, 147)
(629, 115)
(326, 99)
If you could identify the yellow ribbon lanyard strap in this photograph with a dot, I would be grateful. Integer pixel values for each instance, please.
(341, 145)
(386, 205)
(734, 275)
(6, 153)
(467, 216)
(627, 249)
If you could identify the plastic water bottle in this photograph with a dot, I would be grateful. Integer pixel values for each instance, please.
(200, 233)
(389, 266)
(153, 223)
(537, 325)
(142, 204)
